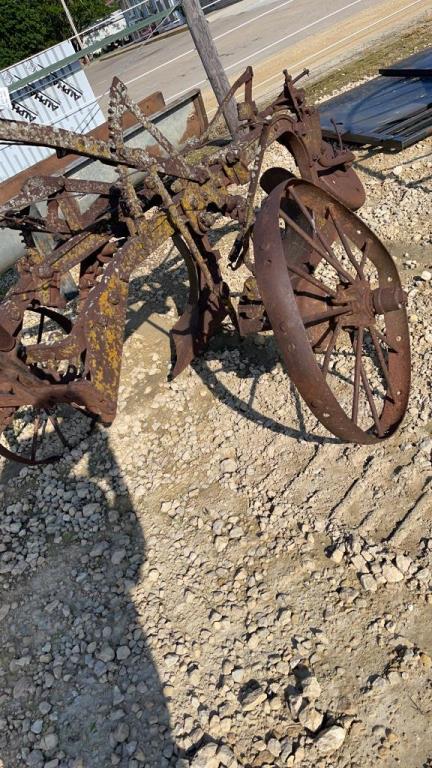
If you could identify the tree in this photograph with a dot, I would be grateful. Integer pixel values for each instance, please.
(22, 31)
(30, 26)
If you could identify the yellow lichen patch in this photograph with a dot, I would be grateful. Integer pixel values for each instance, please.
(105, 338)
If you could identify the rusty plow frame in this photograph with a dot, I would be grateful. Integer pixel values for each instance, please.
(317, 275)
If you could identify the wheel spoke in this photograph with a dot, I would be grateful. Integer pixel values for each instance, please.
(317, 344)
(311, 279)
(54, 421)
(330, 347)
(35, 437)
(371, 402)
(316, 247)
(40, 327)
(365, 251)
(44, 426)
(310, 295)
(322, 317)
(369, 395)
(384, 339)
(382, 362)
(299, 231)
(346, 244)
(328, 254)
(358, 348)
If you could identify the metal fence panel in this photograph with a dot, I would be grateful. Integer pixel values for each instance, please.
(64, 99)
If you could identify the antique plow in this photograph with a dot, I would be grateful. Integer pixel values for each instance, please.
(315, 273)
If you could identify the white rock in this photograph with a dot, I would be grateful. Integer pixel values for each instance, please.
(284, 617)
(206, 757)
(253, 699)
(37, 726)
(274, 747)
(368, 582)
(391, 573)
(310, 718)
(403, 563)
(228, 466)
(337, 555)
(122, 652)
(106, 653)
(295, 702)
(253, 641)
(423, 574)
(49, 742)
(238, 674)
(330, 740)
(117, 556)
(311, 688)
(153, 575)
(226, 757)
(194, 676)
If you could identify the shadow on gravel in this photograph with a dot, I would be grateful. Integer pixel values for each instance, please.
(266, 356)
(166, 286)
(79, 687)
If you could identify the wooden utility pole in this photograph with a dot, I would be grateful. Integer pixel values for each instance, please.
(201, 35)
(72, 24)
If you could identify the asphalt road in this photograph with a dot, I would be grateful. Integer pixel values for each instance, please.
(268, 34)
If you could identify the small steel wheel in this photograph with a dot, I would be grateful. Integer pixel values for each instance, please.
(43, 431)
(338, 313)
(34, 435)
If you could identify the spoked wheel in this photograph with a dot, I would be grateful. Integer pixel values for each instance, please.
(36, 435)
(45, 431)
(338, 313)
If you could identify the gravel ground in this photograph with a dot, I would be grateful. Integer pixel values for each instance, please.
(216, 581)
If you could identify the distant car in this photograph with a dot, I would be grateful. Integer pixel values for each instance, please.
(139, 12)
(103, 28)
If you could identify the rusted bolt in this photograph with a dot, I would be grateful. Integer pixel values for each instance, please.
(207, 219)
(44, 270)
(14, 313)
(230, 157)
(177, 185)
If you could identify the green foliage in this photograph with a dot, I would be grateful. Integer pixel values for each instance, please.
(29, 26)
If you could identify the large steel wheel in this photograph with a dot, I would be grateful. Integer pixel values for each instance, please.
(338, 313)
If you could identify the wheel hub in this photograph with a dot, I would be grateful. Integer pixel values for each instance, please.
(364, 303)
